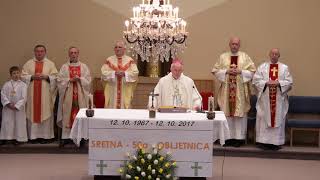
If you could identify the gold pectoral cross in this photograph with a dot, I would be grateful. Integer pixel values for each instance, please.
(12, 93)
(274, 70)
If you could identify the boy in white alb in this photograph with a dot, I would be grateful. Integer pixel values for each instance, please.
(13, 99)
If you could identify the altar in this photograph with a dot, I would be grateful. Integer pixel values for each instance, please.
(113, 133)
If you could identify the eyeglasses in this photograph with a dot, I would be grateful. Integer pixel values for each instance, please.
(118, 47)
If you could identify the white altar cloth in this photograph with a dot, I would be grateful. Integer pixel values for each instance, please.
(80, 126)
(114, 132)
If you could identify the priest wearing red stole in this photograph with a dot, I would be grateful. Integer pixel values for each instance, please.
(119, 77)
(39, 74)
(273, 81)
(73, 81)
(234, 71)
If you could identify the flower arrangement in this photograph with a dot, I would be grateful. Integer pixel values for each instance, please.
(149, 166)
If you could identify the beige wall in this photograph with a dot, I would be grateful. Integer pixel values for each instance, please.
(291, 25)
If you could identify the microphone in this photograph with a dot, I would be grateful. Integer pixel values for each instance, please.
(201, 106)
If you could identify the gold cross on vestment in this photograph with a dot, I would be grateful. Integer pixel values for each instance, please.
(274, 70)
(233, 65)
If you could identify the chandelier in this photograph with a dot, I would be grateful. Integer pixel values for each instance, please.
(155, 32)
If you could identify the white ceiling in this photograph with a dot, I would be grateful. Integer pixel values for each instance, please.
(187, 7)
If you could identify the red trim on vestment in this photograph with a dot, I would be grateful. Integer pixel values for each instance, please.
(37, 93)
(73, 72)
(273, 75)
(123, 68)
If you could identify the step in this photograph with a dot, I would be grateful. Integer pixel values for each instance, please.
(286, 152)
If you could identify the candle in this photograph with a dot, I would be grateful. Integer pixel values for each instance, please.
(138, 11)
(90, 101)
(134, 12)
(211, 103)
(127, 25)
(183, 26)
(177, 12)
(143, 2)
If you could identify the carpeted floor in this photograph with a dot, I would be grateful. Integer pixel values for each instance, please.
(74, 167)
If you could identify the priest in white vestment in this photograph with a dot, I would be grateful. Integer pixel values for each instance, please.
(120, 77)
(234, 71)
(39, 74)
(13, 99)
(273, 81)
(73, 82)
(176, 89)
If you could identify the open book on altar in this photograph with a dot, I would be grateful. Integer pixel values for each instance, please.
(172, 109)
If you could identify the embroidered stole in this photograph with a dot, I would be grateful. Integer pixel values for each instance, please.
(123, 68)
(233, 86)
(73, 72)
(273, 75)
(37, 93)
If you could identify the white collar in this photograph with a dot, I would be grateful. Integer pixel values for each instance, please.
(45, 58)
(13, 81)
(74, 64)
(174, 78)
(273, 63)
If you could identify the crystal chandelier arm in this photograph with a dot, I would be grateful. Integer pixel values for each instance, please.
(180, 41)
(131, 41)
(168, 41)
(143, 39)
